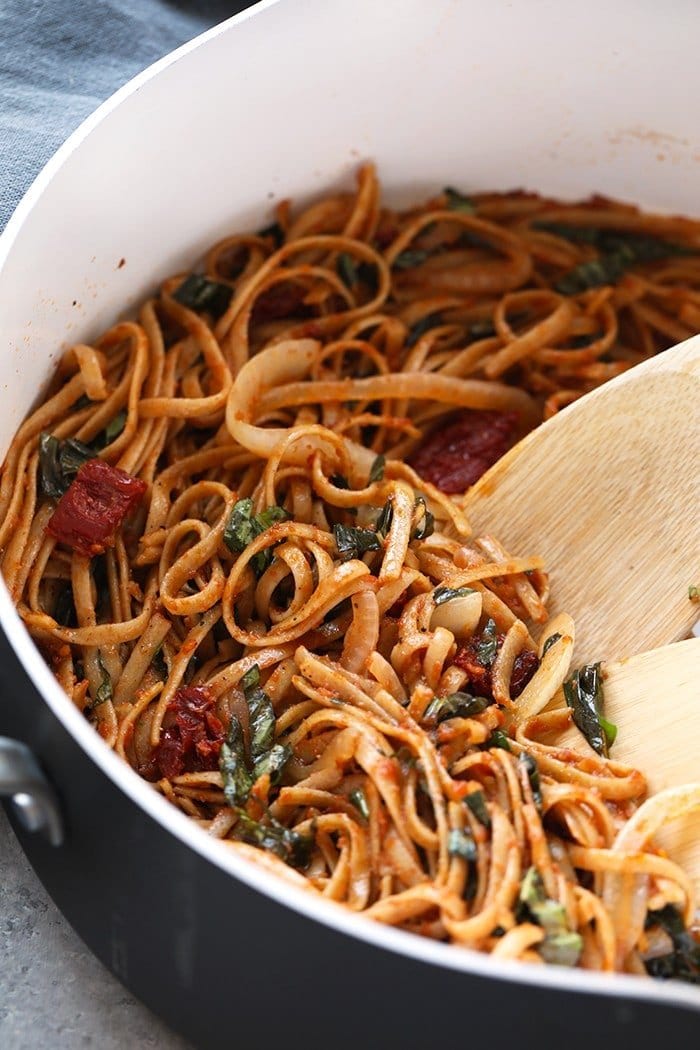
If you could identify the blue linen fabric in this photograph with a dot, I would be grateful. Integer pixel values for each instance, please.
(59, 59)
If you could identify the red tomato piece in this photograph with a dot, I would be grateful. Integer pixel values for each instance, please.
(192, 735)
(94, 506)
(454, 457)
(524, 666)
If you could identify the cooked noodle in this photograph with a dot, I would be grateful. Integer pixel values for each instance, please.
(302, 557)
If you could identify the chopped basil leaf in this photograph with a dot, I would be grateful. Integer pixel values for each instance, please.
(273, 763)
(262, 722)
(456, 705)
(481, 329)
(385, 518)
(232, 765)
(340, 481)
(446, 594)
(353, 542)
(584, 695)
(59, 462)
(618, 252)
(553, 638)
(201, 294)
(286, 843)
(376, 472)
(359, 801)
(477, 804)
(426, 525)
(104, 690)
(560, 946)
(115, 427)
(406, 260)
(265, 756)
(275, 232)
(684, 961)
(487, 646)
(347, 269)
(497, 739)
(421, 327)
(456, 201)
(243, 527)
(533, 775)
(64, 608)
(406, 759)
(460, 843)
(159, 664)
(251, 679)
(561, 949)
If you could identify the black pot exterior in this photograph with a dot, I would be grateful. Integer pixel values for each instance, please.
(219, 961)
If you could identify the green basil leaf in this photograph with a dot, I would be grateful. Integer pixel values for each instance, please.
(421, 327)
(460, 843)
(533, 775)
(553, 638)
(456, 705)
(104, 690)
(275, 232)
(456, 201)
(353, 542)
(376, 472)
(385, 518)
(273, 763)
(583, 691)
(476, 802)
(359, 801)
(446, 594)
(426, 525)
(287, 844)
(497, 739)
(243, 526)
(201, 294)
(232, 765)
(487, 646)
(347, 269)
(406, 260)
(115, 427)
(59, 462)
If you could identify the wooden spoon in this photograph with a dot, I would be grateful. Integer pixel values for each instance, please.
(654, 700)
(608, 492)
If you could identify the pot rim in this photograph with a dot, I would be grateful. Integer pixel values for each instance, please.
(177, 823)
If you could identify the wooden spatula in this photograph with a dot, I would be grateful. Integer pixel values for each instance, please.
(654, 700)
(608, 492)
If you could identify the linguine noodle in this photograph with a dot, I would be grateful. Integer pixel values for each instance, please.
(291, 631)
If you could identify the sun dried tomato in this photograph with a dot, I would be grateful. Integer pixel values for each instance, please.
(282, 300)
(454, 457)
(93, 507)
(478, 675)
(192, 734)
(524, 667)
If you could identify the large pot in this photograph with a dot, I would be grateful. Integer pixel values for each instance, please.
(285, 99)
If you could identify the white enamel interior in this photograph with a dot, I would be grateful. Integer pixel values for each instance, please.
(284, 100)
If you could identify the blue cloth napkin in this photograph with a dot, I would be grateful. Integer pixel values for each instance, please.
(60, 58)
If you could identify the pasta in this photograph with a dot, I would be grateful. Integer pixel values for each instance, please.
(234, 528)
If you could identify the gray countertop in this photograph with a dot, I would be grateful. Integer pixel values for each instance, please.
(54, 993)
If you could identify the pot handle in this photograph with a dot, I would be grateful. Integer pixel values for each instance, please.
(31, 796)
